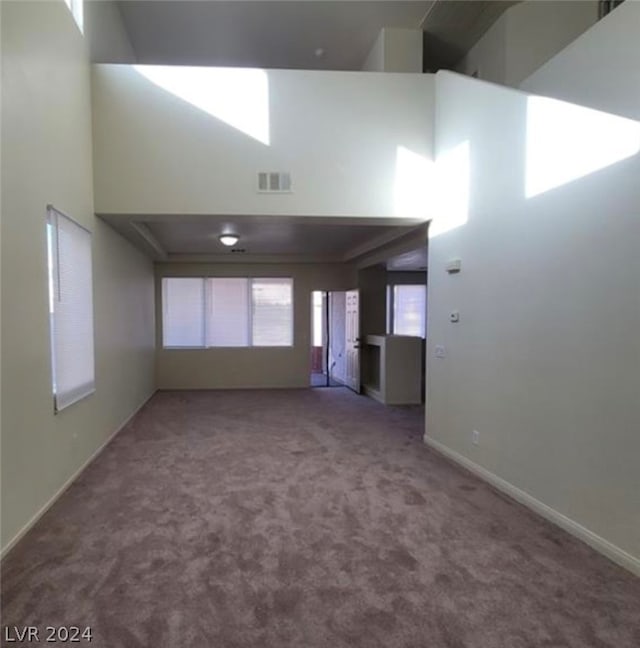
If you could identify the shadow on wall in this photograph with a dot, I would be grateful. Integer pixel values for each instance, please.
(250, 101)
(451, 190)
(433, 190)
(237, 96)
(414, 177)
(563, 143)
(566, 142)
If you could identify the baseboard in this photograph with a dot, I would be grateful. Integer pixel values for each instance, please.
(14, 541)
(598, 543)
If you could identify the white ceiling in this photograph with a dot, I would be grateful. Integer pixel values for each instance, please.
(262, 33)
(265, 238)
(286, 34)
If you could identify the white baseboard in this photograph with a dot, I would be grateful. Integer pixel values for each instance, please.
(608, 549)
(12, 543)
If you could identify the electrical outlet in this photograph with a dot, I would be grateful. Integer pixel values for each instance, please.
(439, 351)
(475, 437)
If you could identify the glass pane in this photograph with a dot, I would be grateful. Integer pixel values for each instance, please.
(227, 312)
(409, 310)
(272, 312)
(183, 312)
(70, 309)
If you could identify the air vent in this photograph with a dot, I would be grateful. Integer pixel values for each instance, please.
(238, 250)
(274, 182)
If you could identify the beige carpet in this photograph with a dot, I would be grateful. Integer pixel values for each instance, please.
(306, 519)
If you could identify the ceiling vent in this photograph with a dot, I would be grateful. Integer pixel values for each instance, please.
(274, 182)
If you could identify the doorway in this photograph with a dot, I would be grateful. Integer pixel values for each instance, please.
(328, 339)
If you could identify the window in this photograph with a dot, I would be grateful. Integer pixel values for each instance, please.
(183, 312)
(407, 309)
(70, 309)
(318, 313)
(76, 7)
(227, 312)
(272, 312)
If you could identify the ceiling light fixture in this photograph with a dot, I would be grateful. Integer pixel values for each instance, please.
(228, 239)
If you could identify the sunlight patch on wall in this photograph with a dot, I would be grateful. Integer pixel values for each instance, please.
(451, 198)
(413, 184)
(237, 96)
(566, 142)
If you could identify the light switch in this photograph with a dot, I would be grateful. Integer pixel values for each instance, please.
(439, 351)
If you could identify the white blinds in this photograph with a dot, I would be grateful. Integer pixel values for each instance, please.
(183, 312)
(71, 309)
(409, 310)
(272, 312)
(227, 312)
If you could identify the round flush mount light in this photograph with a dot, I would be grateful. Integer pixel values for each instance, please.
(228, 239)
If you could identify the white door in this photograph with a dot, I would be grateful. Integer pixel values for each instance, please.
(353, 340)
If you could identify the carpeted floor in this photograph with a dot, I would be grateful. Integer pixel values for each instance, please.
(306, 519)
(321, 380)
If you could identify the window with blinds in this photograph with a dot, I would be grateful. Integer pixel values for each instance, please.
(409, 310)
(272, 312)
(227, 312)
(228, 308)
(70, 309)
(183, 312)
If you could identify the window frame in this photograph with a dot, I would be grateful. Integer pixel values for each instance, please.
(162, 314)
(391, 308)
(250, 313)
(52, 230)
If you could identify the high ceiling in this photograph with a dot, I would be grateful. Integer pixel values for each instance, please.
(302, 34)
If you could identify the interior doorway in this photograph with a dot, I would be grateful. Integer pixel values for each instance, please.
(328, 338)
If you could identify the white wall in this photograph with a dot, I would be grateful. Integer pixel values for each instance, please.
(486, 59)
(106, 34)
(396, 49)
(586, 72)
(46, 158)
(545, 361)
(536, 31)
(525, 37)
(260, 367)
(337, 132)
(375, 59)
